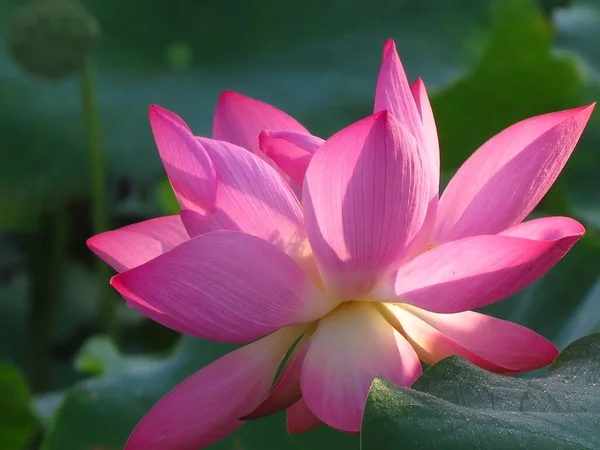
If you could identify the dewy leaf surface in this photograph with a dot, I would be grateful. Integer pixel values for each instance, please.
(456, 405)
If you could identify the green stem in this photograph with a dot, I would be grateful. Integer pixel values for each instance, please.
(107, 305)
(46, 258)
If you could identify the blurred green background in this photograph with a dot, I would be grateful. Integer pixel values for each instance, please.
(487, 64)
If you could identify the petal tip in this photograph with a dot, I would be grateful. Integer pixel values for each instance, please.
(585, 112)
(116, 282)
(158, 114)
(389, 46)
(113, 282)
(553, 352)
(387, 118)
(98, 243)
(228, 95)
(573, 229)
(91, 242)
(547, 353)
(579, 229)
(419, 83)
(382, 116)
(156, 111)
(262, 140)
(589, 109)
(591, 106)
(586, 109)
(121, 285)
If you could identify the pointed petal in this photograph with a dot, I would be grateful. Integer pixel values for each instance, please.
(349, 349)
(159, 110)
(188, 166)
(491, 343)
(545, 228)
(410, 105)
(476, 271)
(430, 135)
(130, 246)
(431, 148)
(225, 286)
(365, 198)
(240, 119)
(286, 390)
(290, 150)
(300, 419)
(206, 407)
(393, 93)
(501, 183)
(134, 245)
(251, 197)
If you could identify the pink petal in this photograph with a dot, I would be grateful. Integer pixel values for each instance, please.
(225, 286)
(207, 406)
(393, 93)
(292, 243)
(290, 150)
(365, 198)
(300, 419)
(432, 149)
(286, 390)
(197, 224)
(130, 246)
(545, 228)
(189, 168)
(491, 343)
(479, 270)
(501, 183)
(240, 119)
(430, 135)
(136, 244)
(250, 197)
(410, 105)
(159, 110)
(349, 349)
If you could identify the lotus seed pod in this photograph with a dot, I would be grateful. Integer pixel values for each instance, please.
(51, 38)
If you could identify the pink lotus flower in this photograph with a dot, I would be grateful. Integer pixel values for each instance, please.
(368, 276)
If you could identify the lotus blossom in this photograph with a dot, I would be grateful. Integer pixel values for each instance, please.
(338, 253)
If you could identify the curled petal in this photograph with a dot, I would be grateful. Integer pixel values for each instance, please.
(476, 271)
(290, 150)
(130, 246)
(349, 349)
(365, 199)
(240, 119)
(224, 286)
(545, 229)
(188, 166)
(501, 183)
(207, 406)
(491, 343)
